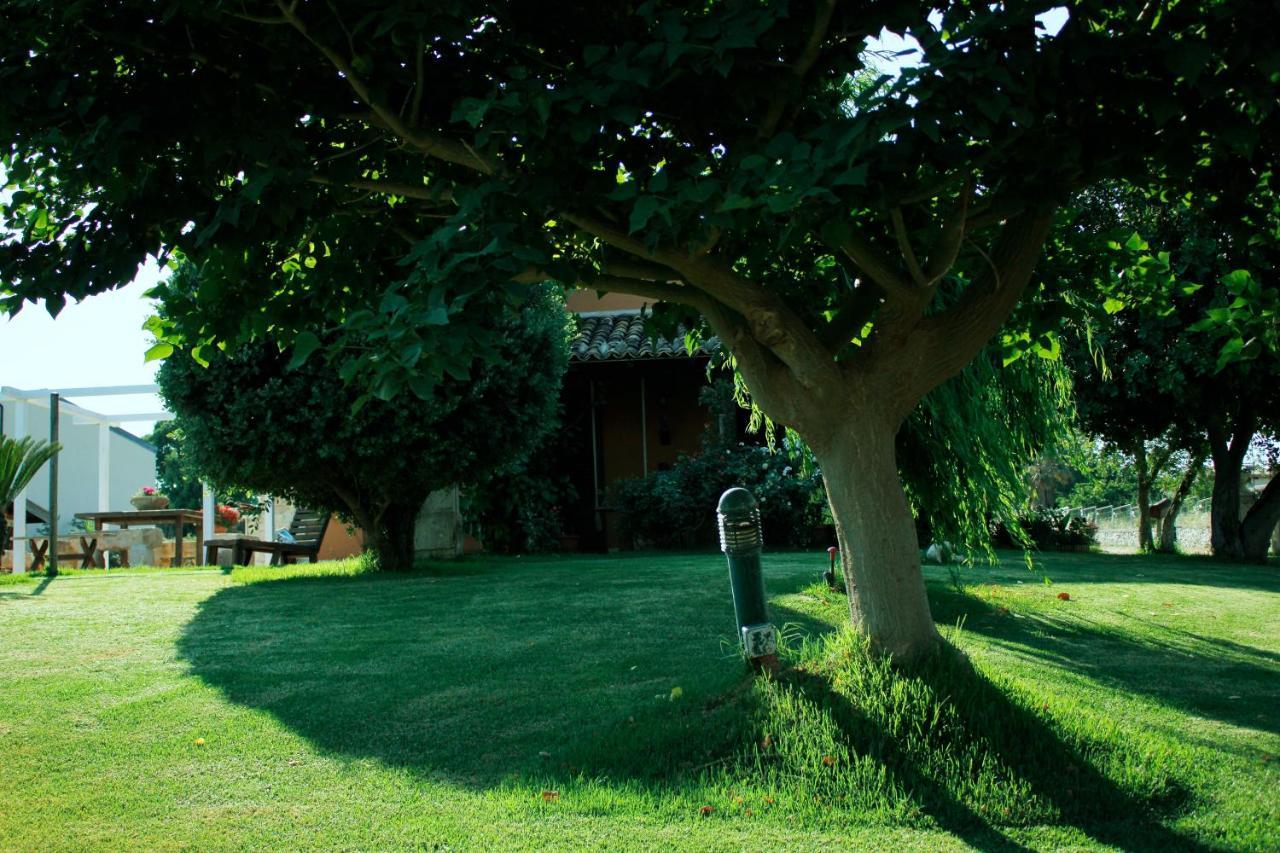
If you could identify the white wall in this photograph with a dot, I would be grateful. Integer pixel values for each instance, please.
(132, 462)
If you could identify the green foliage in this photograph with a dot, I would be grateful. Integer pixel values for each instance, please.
(1106, 476)
(176, 474)
(1046, 529)
(1184, 349)
(249, 421)
(675, 122)
(521, 510)
(675, 508)
(965, 451)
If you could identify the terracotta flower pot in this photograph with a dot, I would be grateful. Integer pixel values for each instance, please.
(143, 502)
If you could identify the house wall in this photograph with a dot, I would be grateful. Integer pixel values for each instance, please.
(579, 301)
(631, 439)
(132, 462)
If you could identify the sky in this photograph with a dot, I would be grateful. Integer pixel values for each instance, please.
(97, 342)
(101, 342)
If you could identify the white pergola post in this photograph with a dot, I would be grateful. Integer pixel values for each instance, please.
(20, 502)
(206, 522)
(104, 467)
(271, 519)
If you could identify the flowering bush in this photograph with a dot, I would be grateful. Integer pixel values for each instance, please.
(226, 515)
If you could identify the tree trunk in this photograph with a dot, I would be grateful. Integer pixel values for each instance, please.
(390, 536)
(388, 530)
(1169, 524)
(1261, 520)
(878, 548)
(4, 534)
(1145, 542)
(1225, 512)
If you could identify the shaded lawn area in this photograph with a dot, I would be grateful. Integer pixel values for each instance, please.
(591, 701)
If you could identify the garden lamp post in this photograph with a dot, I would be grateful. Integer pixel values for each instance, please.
(830, 574)
(740, 539)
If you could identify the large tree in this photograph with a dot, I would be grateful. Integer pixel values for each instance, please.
(1181, 358)
(252, 420)
(855, 242)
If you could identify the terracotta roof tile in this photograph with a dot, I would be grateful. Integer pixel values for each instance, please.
(622, 335)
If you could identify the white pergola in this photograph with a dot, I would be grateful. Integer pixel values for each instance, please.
(52, 400)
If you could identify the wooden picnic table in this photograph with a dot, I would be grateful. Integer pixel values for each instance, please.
(40, 550)
(149, 517)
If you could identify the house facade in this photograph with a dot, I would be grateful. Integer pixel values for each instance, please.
(630, 404)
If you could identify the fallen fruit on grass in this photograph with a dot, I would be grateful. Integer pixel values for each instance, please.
(705, 810)
(548, 796)
(828, 760)
(199, 741)
(1064, 596)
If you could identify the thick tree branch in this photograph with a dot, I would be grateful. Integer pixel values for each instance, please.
(904, 246)
(879, 268)
(950, 340)
(942, 257)
(451, 151)
(854, 312)
(799, 68)
(423, 193)
(771, 323)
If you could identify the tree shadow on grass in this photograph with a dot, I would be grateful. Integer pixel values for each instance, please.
(1057, 772)
(1208, 677)
(456, 672)
(24, 593)
(476, 677)
(1188, 569)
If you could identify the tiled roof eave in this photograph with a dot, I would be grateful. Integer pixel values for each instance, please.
(621, 336)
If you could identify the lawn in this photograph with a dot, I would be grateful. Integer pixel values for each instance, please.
(592, 701)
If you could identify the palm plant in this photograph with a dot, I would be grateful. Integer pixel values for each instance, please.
(20, 459)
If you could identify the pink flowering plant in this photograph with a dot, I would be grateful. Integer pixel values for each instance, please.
(149, 491)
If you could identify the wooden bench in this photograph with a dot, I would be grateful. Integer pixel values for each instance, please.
(308, 530)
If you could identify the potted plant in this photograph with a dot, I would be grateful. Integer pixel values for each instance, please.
(224, 518)
(149, 497)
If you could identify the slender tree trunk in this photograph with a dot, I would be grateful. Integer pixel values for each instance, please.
(1260, 522)
(1145, 542)
(4, 533)
(1169, 524)
(878, 548)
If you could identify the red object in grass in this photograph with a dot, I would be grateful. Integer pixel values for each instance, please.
(705, 810)
(1064, 596)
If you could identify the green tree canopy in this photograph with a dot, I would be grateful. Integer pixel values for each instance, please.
(1183, 349)
(252, 421)
(854, 246)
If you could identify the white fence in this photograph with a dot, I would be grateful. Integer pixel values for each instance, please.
(1118, 526)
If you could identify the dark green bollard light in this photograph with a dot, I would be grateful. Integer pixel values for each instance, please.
(741, 541)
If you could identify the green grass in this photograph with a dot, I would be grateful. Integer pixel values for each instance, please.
(597, 702)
